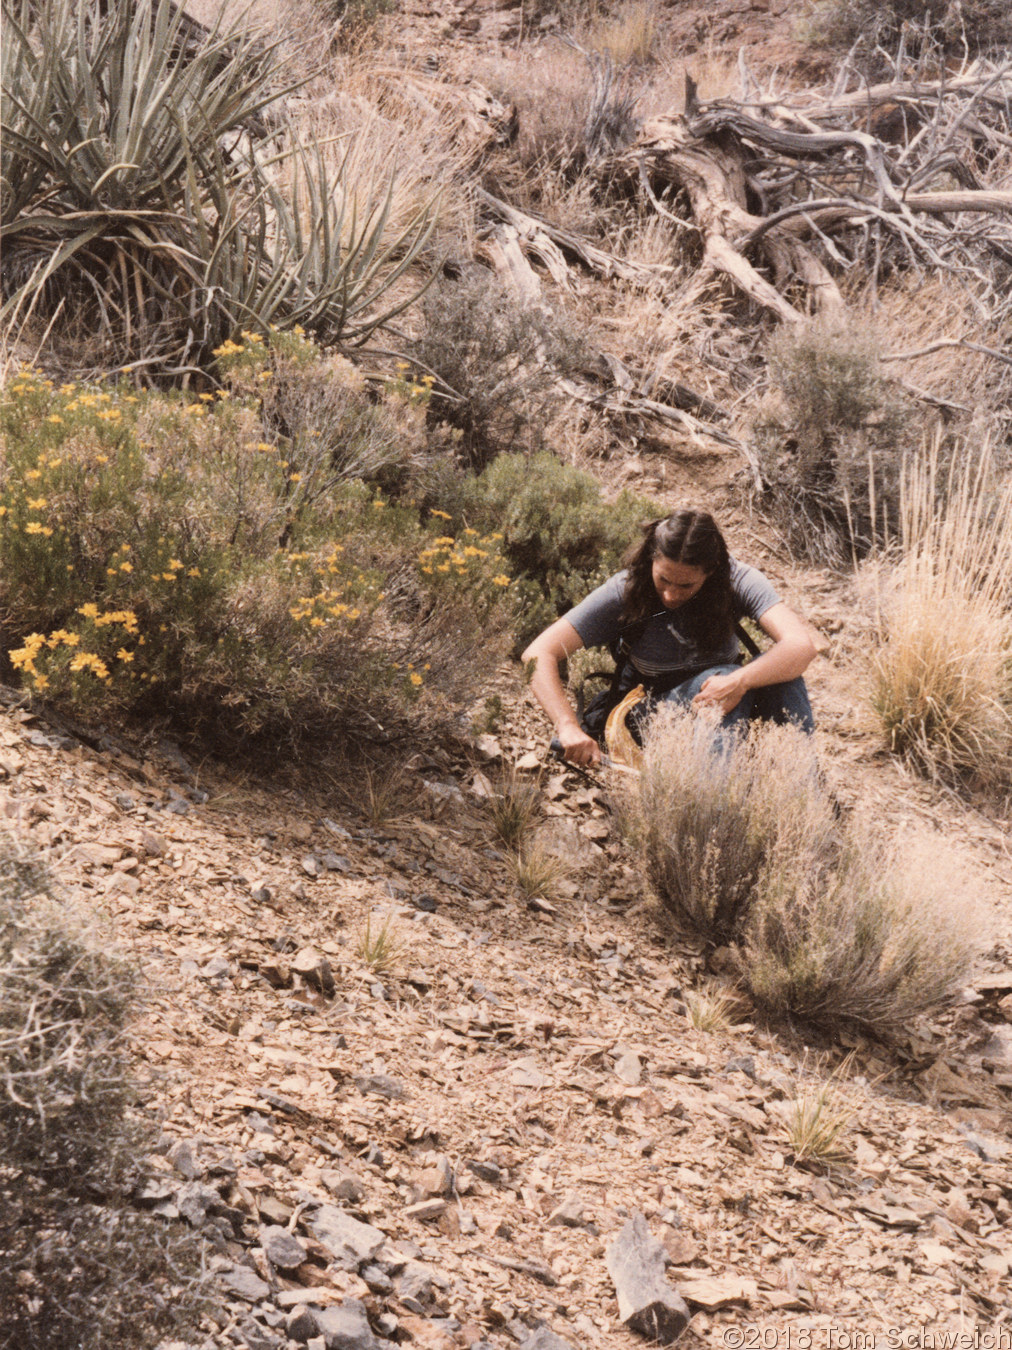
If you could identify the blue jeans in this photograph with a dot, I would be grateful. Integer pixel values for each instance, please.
(779, 703)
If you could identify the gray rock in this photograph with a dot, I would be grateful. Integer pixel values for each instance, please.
(544, 1339)
(247, 1284)
(256, 1337)
(181, 1156)
(377, 1279)
(414, 1286)
(484, 1171)
(351, 1243)
(315, 969)
(215, 969)
(646, 1302)
(282, 1249)
(333, 862)
(381, 1085)
(346, 1327)
(195, 1201)
(300, 1323)
(569, 1214)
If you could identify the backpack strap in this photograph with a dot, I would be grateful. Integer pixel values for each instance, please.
(746, 640)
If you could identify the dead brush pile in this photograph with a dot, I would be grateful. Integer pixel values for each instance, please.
(741, 846)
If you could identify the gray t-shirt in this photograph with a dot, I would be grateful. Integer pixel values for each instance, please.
(663, 647)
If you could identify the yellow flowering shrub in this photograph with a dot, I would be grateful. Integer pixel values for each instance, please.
(244, 572)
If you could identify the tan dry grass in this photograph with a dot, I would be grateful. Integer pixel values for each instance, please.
(629, 35)
(942, 665)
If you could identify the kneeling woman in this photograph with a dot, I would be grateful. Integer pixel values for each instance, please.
(671, 617)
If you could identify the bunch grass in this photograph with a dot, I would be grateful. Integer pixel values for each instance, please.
(942, 664)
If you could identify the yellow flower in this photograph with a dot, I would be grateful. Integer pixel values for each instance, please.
(32, 475)
(126, 567)
(124, 655)
(101, 459)
(415, 678)
(168, 576)
(33, 527)
(193, 572)
(3, 510)
(316, 622)
(41, 682)
(110, 414)
(37, 503)
(378, 504)
(175, 564)
(295, 478)
(207, 398)
(90, 610)
(500, 580)
(441, 514)
(54, 417)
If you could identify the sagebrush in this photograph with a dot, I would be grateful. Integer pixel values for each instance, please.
(79, 1269)
(741, 843)
(831, 453)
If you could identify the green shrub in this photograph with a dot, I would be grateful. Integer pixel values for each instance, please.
(742, 847)
(160, 557)
(560, 536)
(831, 453)
(870, 23)
(78, 1268)
(499, 357)
(154, 200)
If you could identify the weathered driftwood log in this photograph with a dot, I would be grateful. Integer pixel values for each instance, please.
(730, 162)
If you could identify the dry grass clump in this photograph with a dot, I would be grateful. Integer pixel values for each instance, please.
(514, 807)
(741, 845)
(818, 1120)
(537, 872)
(942, 665)
(78, 1269)
(628, 36)
(382, 948)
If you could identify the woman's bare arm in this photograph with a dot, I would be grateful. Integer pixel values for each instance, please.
(547, 650)
(790, 656)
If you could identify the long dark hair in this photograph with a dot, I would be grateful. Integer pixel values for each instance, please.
(692, 538)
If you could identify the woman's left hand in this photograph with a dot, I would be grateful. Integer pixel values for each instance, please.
(721, 691)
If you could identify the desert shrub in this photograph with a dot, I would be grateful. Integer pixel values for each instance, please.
(498, 359)
(161, 558)
(942, 663)
(78, 1268)
(706, 822)
(560, 536)
(869, 24)
(152, 205)
(860, 933)
(831, 455)
(742, 847)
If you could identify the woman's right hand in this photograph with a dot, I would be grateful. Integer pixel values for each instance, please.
(577, 746)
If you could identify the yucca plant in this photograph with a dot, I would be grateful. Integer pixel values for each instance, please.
(153, 195)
